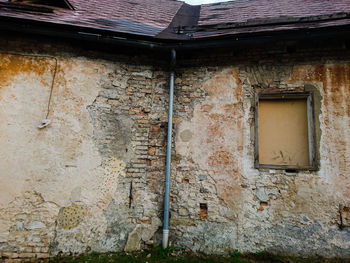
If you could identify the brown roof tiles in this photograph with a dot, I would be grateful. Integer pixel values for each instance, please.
(246, 10)
(171, 19)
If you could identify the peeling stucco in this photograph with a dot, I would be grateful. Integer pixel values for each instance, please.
(213, 138)
(272, 204)
(93, 178)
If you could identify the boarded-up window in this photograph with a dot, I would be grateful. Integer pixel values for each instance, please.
(284, 131)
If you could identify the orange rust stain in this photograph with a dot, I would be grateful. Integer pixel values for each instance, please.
(308, 73)
(214, 127)
(224, 138)
(220, 159)
(12, 65)
(230, 109)
(238, 90)
(337, 94)
(217, 86)
(335, 79)
(346, 216)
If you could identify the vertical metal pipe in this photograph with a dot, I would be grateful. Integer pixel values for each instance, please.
(168, 152)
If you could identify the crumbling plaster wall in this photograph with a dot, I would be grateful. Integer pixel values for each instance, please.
(249, 209)
(80, 183)
(92, 179)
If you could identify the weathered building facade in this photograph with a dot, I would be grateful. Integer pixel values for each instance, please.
(93, 179)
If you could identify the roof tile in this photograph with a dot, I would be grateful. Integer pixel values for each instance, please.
(152, 17)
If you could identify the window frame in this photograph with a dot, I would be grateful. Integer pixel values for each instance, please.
(309, 96)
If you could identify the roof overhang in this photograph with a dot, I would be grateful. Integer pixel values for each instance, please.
(28, 26)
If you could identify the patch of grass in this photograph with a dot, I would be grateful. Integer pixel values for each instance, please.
(169, 255)
(158, 255)
(236, 253)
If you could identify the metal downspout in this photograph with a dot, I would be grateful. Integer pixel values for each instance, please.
(168, 152)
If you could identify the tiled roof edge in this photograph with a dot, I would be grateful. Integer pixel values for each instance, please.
(186, 16)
